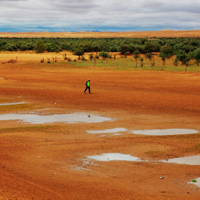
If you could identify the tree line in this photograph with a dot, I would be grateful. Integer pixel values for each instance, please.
(185, 49)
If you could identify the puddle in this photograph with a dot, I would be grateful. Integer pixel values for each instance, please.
(66, 118)
(10, 104)
(154, 132)
(114, 130)
(162, 132)
(114, 156)
(191, 160)
(197, 183)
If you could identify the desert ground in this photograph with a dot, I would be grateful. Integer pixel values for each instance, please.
(50, 161)
(130, 34)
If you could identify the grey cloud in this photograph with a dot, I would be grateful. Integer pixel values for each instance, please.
(171, 6)
(153, 4)
(83, 5)
(109, 13)
(12, 0)
(189, 8)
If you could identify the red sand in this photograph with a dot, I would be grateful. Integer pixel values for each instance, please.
(46, 161)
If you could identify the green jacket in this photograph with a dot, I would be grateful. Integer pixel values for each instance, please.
(87, 83)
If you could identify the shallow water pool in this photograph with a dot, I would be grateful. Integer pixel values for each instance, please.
(163, 132)
(190, 160)
(66, 118)
(113, 130)
(114, 156)
(153, 132)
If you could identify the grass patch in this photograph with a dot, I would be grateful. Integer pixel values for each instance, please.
(15, 108)
(130, 64)
(117, 64)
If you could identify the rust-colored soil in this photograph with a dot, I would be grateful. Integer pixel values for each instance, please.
(136, 34)
(48, 162)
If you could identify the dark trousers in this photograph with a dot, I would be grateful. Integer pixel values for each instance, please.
(87, 88)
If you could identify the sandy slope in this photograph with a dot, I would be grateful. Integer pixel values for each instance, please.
(137, 34)
(48, 161)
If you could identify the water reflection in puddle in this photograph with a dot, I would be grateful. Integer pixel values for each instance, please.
(10, 104)
(154, 132)
(114, 156)
(114, 130)
(191, 160)
(197, 183)
(67, 118)
(162, 132)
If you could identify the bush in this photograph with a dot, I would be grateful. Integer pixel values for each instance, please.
(196, 55)
(124, 49)
(103, 54)
(39, 46)
(152, 46)
(79, 52)
(97, 57)
(91, 56)
(51, 47)
(166, 50)
(83, 59)
(183, 57)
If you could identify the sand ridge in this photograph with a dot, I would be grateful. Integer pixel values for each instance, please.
(136, 34)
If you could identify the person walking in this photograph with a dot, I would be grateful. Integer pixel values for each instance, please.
(87, 84)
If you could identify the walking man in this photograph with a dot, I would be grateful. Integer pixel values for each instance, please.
(87, 84)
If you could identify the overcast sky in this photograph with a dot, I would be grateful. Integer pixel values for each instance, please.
(101, 15)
